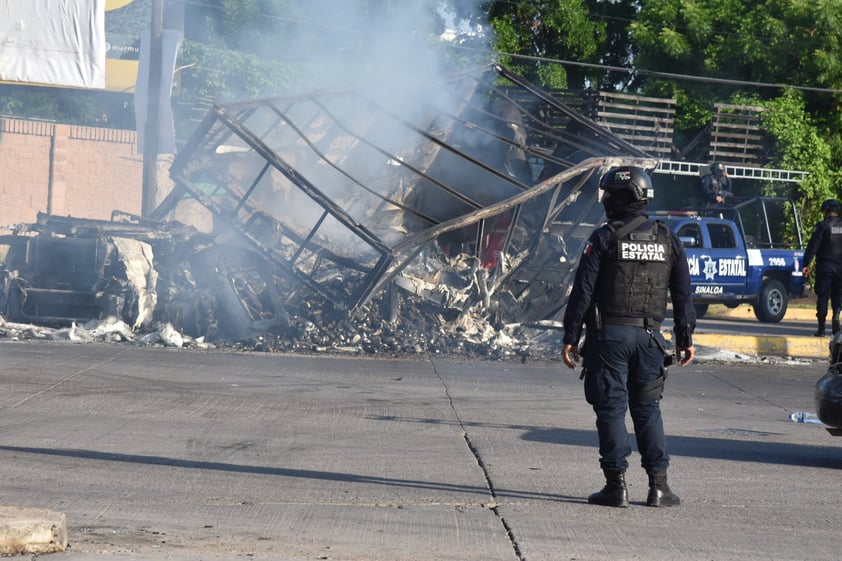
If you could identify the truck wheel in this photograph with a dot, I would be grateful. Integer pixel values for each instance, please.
(701, 310)
(771, 306)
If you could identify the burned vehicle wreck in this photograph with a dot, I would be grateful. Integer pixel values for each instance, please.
(63, 270)
(336, 213)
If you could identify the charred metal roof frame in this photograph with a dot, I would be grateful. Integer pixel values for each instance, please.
(344, 191)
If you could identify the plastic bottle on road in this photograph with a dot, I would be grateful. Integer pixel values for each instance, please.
(804, 417)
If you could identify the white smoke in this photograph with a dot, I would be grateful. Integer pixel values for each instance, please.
(360, 44)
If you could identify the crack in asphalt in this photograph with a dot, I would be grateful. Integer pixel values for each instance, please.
(493, 507)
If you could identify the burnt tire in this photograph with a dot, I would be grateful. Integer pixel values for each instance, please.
(701, 310)
(772, 302)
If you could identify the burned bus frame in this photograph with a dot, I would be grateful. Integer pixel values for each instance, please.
(488, 185)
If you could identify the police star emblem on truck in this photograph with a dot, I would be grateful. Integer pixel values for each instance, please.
(740, 253)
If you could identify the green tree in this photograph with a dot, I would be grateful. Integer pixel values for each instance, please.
(801, 145)
(617, 50)
(66, 105)
(578, 31)
(545, 29)
(778, 41)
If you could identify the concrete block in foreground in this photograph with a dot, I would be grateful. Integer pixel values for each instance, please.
(31, 530)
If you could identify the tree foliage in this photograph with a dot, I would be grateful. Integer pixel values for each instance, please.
(228, 75)
(72, 106)
(740, 46)
(800, 145)
(534, 30)
(776, 41)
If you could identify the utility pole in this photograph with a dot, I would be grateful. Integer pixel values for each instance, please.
(153, 114)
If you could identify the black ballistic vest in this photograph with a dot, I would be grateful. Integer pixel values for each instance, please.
(634, 275)
(717, 184)
(835, 237)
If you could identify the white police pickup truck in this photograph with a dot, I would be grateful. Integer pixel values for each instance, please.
(750, 252)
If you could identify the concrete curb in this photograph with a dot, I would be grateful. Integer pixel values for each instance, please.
(764, 345)
(31, 530)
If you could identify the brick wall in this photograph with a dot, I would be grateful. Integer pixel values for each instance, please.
(86, 172)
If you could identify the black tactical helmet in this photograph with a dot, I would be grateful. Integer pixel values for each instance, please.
(830, 205)
(717, 168)
(631, 184)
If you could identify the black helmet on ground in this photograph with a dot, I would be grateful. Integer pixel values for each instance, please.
(625, 188)
(830, 205)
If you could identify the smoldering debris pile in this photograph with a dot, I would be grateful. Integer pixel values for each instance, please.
(425, 332)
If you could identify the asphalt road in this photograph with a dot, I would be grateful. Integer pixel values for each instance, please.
(802, 326)
(180, 455)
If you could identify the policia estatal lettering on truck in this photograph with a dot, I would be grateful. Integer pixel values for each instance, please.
(743, 255)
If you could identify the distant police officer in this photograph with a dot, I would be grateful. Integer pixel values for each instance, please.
(620, 294)
(716, 185)
(825, 246)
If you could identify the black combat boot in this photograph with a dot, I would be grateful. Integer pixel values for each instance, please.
(835, 324)
(820, 331)
(615, 492)
(659, 492)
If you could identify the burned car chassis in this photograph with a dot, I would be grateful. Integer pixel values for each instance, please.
(63, 269)
(474, 197)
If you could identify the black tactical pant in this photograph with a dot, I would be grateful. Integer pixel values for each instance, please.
(622, 366)
(828, 284)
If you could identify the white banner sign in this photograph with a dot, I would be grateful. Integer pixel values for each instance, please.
(56, 42)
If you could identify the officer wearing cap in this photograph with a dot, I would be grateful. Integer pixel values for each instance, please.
(825, 246)
(716, 185)
(620, 295)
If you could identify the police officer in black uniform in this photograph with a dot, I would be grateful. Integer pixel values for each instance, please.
(716, 185)
(825, 246)
(620, 294)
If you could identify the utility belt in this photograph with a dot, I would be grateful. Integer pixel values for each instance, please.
(650, 325)
(653, 328)
(646, 323)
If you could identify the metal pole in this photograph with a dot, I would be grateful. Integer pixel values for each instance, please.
(154, 100)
